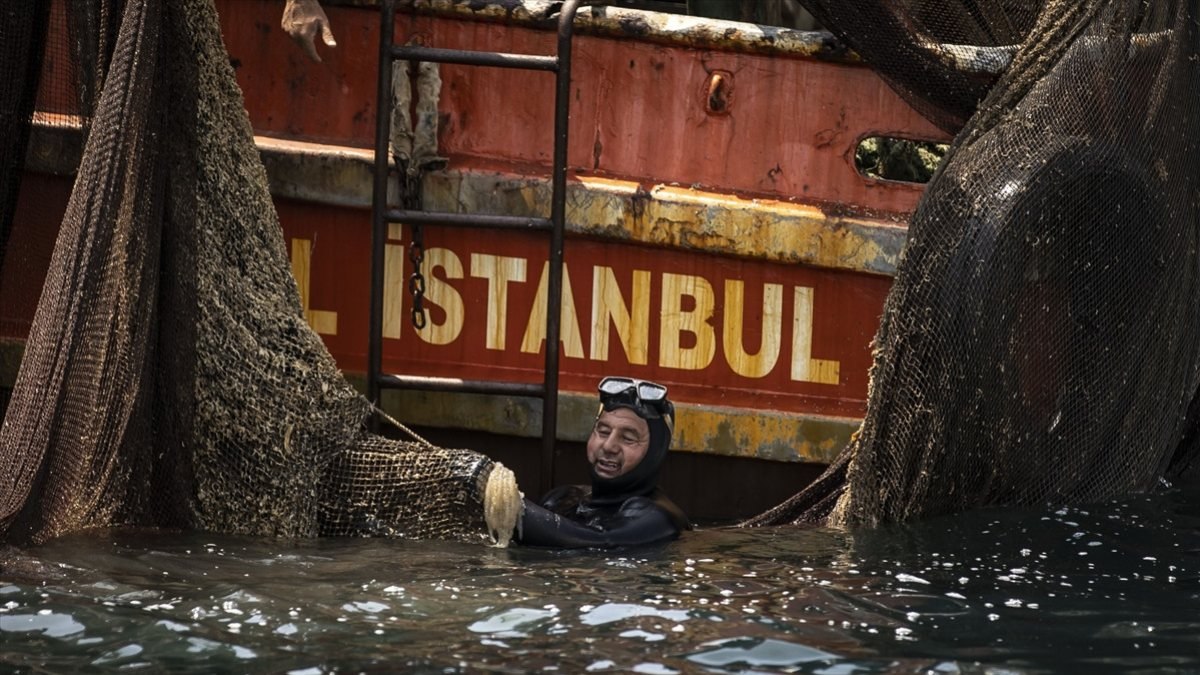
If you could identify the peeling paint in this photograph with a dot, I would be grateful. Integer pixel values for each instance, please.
(658, 27)
(762, 434)
(715, 430)
(683, 218)
(664, 215)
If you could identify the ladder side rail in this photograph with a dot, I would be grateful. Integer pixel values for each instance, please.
(480, 220)
(474, 58)
(454, 385)
(383, 107)
(558, 201)
(382, 215)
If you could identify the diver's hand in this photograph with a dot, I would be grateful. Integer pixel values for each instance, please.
(303, 19)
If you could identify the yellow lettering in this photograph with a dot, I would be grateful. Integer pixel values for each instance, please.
(608, 305)
(498, 270)
(443, 295)
(393, 290)
(568, 318)
(321, 321)
(752, 365)
(676, 322)
(394, 285)
(804, 367)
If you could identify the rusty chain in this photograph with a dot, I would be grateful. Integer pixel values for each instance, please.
(410, 199)
(414, 150)
(416, 282)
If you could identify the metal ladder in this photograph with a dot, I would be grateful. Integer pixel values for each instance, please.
(382, 215)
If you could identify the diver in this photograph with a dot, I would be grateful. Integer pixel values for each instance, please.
(624, 505)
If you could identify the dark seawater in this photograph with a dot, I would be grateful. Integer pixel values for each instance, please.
(1108, 588)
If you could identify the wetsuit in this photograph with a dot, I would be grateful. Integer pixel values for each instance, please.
(628, 510)
(568, 517)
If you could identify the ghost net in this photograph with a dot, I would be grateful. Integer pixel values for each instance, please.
(169, 377)
(1041, 342)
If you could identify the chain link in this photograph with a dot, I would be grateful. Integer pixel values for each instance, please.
(416, 282)
(421, 139)
(410, 199)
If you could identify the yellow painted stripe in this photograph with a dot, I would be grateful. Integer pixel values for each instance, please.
(682, 218)
(666, 216)
(732, 432)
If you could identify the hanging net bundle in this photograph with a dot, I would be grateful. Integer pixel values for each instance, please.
(1041, 343)
(169, 378)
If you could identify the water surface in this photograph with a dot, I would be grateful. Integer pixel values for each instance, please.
(1108, 588)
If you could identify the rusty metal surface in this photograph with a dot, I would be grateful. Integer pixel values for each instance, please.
(731, 432)
(687, 31)
(617, 211)
(686, 219)
(598, 209)
(669, 216)
(659, 27)
(780, 128)
(641, 109)
(328, 174)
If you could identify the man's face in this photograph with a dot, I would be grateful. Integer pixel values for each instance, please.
(618, 442)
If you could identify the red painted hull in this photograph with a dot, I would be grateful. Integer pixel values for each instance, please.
(713, 303)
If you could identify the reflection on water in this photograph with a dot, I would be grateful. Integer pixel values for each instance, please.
(1112, 588)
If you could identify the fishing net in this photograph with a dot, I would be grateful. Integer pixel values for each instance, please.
(1042, 340)
(169, 377)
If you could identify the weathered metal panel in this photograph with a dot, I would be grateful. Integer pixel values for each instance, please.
(703, 240)
(640, 105)
(683, 218)
(661, 215)
(721, 240)
(732, 432)
(718, 330)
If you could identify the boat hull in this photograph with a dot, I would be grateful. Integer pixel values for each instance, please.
(728, 248)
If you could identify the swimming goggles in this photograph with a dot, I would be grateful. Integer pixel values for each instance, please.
(649, 399)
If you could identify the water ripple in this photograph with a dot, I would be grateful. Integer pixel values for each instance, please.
(1110, 588)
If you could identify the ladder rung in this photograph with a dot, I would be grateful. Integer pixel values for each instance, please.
(467, 220)
(535, 390)
(473, 58)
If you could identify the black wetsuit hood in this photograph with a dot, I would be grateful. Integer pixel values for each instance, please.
(628, 510)
(643, 479)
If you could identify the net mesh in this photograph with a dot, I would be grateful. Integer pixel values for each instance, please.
(1041, 342)
(169, 377)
